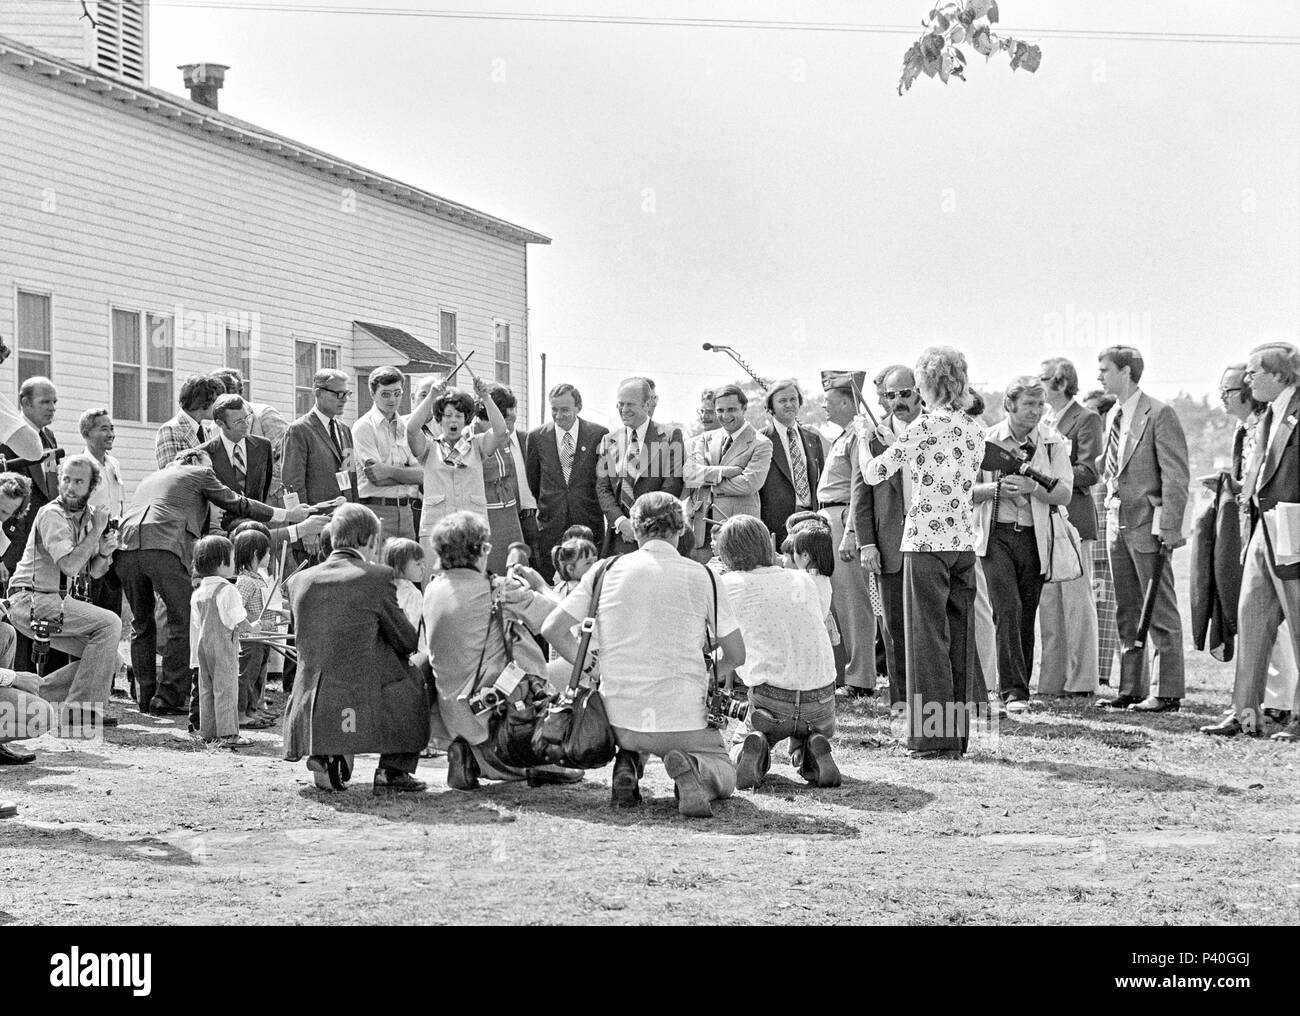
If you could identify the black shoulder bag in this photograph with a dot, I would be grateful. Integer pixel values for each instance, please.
(514, 716)
(575, 731)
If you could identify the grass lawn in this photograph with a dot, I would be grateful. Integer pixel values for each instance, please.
(1068, 816)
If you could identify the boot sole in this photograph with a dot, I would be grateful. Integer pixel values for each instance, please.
(749, 762)
(692, 801)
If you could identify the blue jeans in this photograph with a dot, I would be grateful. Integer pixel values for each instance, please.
(777, 714)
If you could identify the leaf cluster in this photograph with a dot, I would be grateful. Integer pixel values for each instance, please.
(953, 25)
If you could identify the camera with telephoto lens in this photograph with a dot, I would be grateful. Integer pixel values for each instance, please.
(724, 706)
(42, 631)
(999, 459)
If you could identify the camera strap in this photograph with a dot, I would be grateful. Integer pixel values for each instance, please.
(495, 614)
(710, 636)
(589, 623)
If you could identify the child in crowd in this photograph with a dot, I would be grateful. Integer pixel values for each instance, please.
(252, 557)
(572, 560)
(217, 619)
(808, 547)
(406, 558)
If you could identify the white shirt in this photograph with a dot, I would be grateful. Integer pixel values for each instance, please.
(110, 493)
(781, 619)
(372, 438)
(526, 500)
(559, 438)
(651, 682)
(325, 421)
(230, 447)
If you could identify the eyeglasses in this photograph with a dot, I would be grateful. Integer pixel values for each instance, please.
(902, 393)
(343, 396)
(1225, 392)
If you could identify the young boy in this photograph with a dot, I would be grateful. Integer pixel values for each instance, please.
(217, 619)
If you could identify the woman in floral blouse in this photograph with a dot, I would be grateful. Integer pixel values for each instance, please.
(942, 449)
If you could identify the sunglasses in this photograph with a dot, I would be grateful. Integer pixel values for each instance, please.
(902, 393)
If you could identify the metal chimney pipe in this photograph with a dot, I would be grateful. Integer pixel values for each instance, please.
(204, 80)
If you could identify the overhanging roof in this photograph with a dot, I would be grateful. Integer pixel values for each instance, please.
(200, 119)
(420, 358)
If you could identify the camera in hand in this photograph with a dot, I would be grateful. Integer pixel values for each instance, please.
(999, 459)
(724, 706)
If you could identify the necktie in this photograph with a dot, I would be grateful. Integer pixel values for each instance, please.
(240, 469)
(334, 436)
(631, 470)
(1112, 446)
(566, 456)
(726, 447)
(799, 468)
(1261, 451)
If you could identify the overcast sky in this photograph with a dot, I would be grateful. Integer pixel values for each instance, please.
(770, 190)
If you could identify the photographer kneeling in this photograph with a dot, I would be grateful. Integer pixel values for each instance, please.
(69, 544)
(654, 605)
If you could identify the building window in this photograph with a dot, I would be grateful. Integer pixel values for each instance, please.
(143, 378)
(308, 357)
(239, 358)
(503, 352)
(33, 341)
(447, 332)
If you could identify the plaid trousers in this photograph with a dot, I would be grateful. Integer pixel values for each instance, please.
(1103, 592)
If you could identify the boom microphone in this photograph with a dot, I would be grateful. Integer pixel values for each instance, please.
(7, 465)
(708, 346)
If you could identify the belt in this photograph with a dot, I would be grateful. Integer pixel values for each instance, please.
(1014, 527)
(390, 502)
(826, 691)
(835, 504)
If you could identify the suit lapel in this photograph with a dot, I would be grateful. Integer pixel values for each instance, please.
(1135, 431)
(313, 421)
(1277, 440)
(779, 458)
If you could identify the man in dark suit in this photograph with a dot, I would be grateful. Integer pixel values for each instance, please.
(1270, 584)
(878, 513)
(167, 515)
(1067, 612)
(637, 458)
(356, 692)
(1144, 466)
(798, 456)
(318, 460)
(560, 461)
(242, 462)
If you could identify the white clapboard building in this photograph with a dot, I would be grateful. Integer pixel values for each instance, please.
(145, 236)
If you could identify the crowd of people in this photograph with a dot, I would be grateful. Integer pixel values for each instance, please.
(400, 572)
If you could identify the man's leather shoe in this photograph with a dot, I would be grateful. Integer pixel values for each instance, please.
(624, 791)
(1282, 716)
(1152, 704)
(1290, 734)
(693, 800)
(1119, 702)
(1230, 727)
(319, 766)
(15, 756)
(751, 763)
(157, 708)
(819, 765)
(390, 781)
(553, 776)
(462, 767)
(8, 809)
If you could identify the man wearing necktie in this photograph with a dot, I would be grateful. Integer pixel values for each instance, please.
(798, 455)
(319, 464)
(1270, 583)
(388, 481)
(1144, 467)
(635, 459)
(726, 469)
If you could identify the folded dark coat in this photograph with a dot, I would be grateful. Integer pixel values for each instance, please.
(1216, 573)
(356, 692)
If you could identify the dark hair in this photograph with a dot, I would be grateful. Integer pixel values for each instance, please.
(210, 553)
(744, 543)
(88, 419)
(781, 385)
(804, 516)
(880, 379)
(814, 539)
(520, 545)
(569, 553)
(250, 547)
(398, 553)
(1124, 356)
(975, 404)
(454, 398)
(1062, 376)
(564, 388)
(735, 390)
(199, 391)
(579, 532)
(224, 404)
(1279, 358)
(1104, 401)
(458, 539)
(231, 379)
(658, 515)
(502, 396)
(1247, 394)
(325, 543)
(353, 525)
(195, 456)
(19, 486)
(250, 525)
(381, 376)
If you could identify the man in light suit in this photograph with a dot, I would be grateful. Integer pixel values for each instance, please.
(637, 458)
(798, 455)
(1144, 466)
(878, 513)
(319, 464)
(560, 459)
(168, 514)
(1270, 591)
(1067, 612)
(725, 470)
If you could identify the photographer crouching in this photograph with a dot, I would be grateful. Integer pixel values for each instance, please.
(655, 614)
(70, 544)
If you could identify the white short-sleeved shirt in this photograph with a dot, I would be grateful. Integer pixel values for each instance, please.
(230, 608)
(781, 619)
(650, 624)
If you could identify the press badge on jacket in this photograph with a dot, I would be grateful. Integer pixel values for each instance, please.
(344, 480)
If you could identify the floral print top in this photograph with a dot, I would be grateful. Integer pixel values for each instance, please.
(943, 450)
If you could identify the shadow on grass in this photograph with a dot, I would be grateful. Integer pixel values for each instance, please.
(50, 765)
(78, 841)
(497, 803)
(1111, 779)
(859, 795)
(1126, 737)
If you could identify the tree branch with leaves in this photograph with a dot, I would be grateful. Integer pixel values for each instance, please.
(952, 25)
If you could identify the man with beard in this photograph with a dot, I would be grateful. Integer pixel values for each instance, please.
(69, 545)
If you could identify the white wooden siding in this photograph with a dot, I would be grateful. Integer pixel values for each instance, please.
(101, 205)
(55, 26)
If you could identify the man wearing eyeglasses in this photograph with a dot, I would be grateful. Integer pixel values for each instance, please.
(318, 458)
